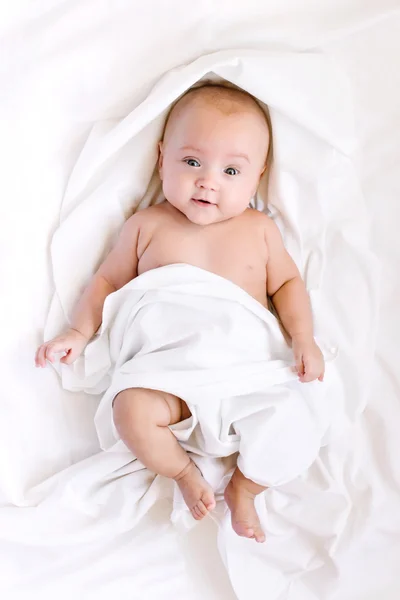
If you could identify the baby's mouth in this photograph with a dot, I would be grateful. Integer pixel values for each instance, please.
(202, 202)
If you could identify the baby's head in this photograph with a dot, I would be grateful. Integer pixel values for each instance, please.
(216, 145)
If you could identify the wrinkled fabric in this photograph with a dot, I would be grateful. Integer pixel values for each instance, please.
(188, 332)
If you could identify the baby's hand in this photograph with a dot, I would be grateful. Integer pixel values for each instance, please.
(72, 342)
(310, 364)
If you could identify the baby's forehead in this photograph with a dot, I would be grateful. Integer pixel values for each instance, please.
(227, 101)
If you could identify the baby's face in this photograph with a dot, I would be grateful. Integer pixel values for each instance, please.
(211, 162)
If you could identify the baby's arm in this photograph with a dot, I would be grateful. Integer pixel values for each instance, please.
(119, 267)
(289, 296)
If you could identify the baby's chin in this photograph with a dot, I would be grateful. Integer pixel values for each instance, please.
(206, 216)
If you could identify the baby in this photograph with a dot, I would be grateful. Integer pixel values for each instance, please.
(215, 148)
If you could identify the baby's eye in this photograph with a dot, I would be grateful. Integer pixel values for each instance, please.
(192, 162)
(231, 171)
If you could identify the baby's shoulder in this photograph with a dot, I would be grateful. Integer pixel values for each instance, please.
(147, 216)
(257, 223)
(257, 219)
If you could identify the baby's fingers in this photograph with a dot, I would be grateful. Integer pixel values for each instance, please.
(37, 357)
(69, 358)
(55, 348)
(307, 377)
(299, 365)
(40, 358)
(47, 351)
(309, 373)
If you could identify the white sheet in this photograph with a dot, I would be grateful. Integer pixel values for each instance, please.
(184, 331)
(50, 97)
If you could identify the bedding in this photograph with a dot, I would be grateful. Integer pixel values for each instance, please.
(78, 520)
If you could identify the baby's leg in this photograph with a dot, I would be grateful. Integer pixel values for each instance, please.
(142, 418)
(239, 496)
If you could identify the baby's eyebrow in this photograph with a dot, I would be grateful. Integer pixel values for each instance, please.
(198, 151)
(240, 156)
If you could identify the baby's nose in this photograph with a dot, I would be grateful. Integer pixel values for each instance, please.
(207, 183)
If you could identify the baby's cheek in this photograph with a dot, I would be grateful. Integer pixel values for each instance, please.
(242, 196)
(170, 184)
(183, 183)
(174, 188)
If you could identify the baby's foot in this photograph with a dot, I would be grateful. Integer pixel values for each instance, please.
(196, 492)
(240, 501)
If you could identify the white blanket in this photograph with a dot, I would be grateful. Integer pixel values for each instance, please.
(312, 181)
(312, 184)
(73, 521)
(191, 333)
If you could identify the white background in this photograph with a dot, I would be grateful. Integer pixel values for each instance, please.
(57, 58)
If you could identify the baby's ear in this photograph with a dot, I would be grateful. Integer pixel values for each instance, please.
(160, 158)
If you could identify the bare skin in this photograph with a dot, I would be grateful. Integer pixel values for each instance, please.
(142, 418)
(239, 496)
(214, 151)
(234, 249)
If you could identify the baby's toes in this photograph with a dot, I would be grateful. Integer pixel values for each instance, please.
(196, 513)
(243, 529)
(201, 508)
(259, 535)
(208, 500)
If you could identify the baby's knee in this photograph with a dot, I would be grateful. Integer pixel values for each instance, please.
(132, 408)
(140, 409)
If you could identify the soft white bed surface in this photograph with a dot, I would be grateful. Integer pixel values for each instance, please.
(67, 65)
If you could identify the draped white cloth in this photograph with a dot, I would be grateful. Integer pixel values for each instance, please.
(188, 332)
(86, 86)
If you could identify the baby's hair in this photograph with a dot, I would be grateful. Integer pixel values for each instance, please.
(219, 94)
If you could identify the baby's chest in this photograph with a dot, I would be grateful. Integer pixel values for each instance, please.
(231, 256)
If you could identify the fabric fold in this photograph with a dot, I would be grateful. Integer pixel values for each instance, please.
(191, 333)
